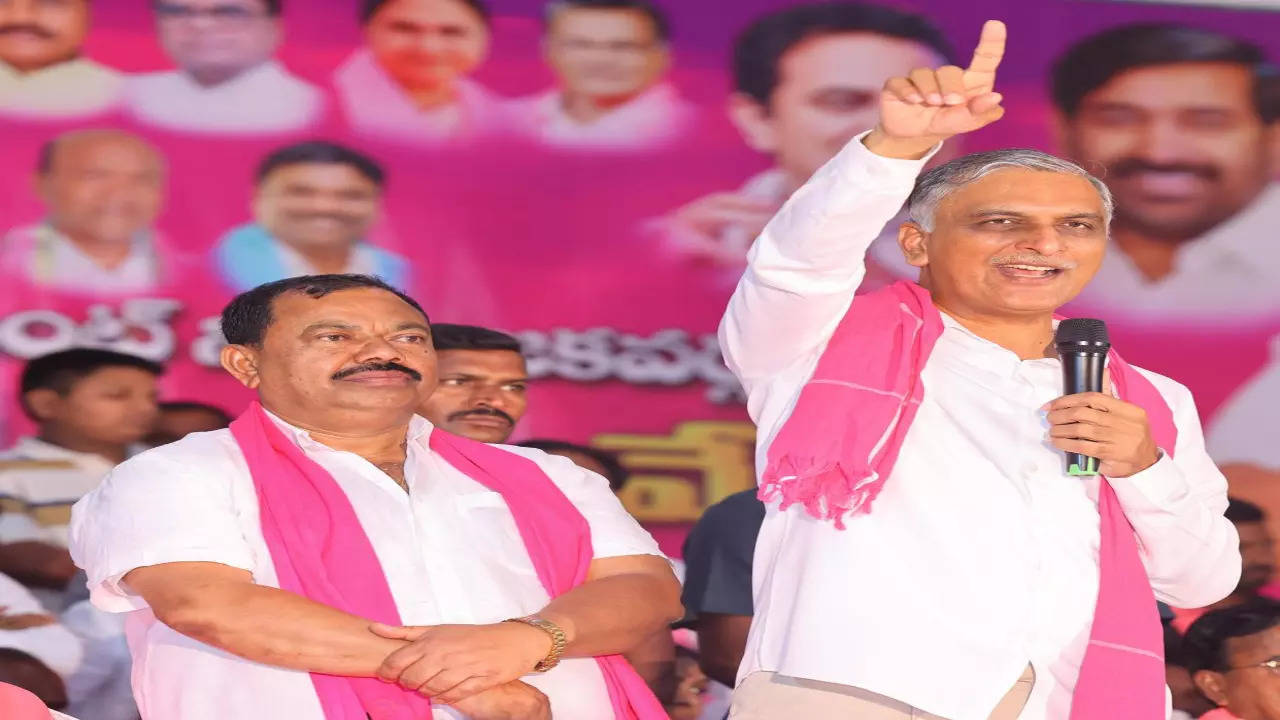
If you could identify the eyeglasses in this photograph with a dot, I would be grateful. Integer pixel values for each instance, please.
(229, 14)
(1272, 664)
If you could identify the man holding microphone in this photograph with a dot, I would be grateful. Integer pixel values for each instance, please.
(925, 553)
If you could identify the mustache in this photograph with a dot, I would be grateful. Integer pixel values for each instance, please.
(376, 367)
(31, 28)
(338, 217)
(1127, 167)
(482, 412)
(1034, 259)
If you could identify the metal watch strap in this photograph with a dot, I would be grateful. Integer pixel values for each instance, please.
(558, 640)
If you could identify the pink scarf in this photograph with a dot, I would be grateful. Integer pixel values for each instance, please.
(320, 551)
(839, 446)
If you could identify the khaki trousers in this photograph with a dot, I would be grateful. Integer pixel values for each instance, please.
(769, 696)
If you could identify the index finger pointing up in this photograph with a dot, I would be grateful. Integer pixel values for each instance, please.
(990, 50)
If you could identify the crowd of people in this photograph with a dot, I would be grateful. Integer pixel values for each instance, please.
(141, 547)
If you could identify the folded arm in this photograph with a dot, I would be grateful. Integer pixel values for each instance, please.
(221, 606)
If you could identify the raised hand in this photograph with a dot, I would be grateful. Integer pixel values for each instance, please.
(928, 105)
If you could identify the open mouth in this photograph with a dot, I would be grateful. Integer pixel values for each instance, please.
(1029, 272)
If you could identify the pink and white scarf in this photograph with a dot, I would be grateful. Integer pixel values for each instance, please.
(320, 551)
(838, 447)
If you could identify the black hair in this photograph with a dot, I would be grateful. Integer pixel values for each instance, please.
(1242, 511)
(661, 25)
(1094, 61)
(320, 152)
(1204, 646)
(369, 8)
(448, 336)
(274, 7)
(191, 406)
(60, 371)
(246, 318)
(759, 48)
(615, 473)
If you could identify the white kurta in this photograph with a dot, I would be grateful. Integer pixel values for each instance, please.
(449, 548)
(264, 99)
(650, 119)
(980, 554)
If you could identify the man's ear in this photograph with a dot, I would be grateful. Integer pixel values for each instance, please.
(1213, 685)
(753, 122)
(1060, 125)
(242, 362)
(42, 403)
(911, 240)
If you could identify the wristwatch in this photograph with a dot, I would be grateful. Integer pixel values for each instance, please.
(558, 640)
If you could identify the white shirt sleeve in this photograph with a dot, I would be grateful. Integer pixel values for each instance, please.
(155, 509)
(614, 533)
(804, 268)
(1243, 431)
(1191, 552)
(53, 645)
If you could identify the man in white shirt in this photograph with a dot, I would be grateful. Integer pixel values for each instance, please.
(102, 189)
(967, 589)
(340, 364)
(42, 73)
(1186, 124)
(410, 80)
(483, 382)
(314, 202)
(91, 408)
(610, 57)
(806, 80)
(227, 80)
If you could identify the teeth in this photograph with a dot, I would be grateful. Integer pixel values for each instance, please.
(1036, 268)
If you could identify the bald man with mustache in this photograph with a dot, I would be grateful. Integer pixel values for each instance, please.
(42, 70)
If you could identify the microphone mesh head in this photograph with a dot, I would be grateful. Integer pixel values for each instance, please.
(1082, 331)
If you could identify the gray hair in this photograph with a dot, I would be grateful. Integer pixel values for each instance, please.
(941, 181)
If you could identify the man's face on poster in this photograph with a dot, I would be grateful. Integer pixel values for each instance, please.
(828, 91)
(607, 54)
(1183, 145)
(35, 34)
(319, 205)
(217, 37)
(106, 187)
(427, 44)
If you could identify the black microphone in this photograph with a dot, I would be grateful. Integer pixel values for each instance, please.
(1082, 346)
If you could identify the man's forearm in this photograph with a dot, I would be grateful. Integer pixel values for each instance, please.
(279, 628)
(614, 614)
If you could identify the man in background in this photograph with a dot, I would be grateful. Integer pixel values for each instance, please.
(42, 71)
(1184, 123)
(807, 78)
(91, 408)
(313, 204)
(1257, 557)
(177, 420)
(410, 80)
(600, 462)
(610, 58)
(1233, 656)
(483, 381)
(227, 78)
(102, 190)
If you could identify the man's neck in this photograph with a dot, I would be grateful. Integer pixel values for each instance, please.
(587, 109)
(214, 76)
(431, 98)
(325, 259)
(1154, 257)
(378, 439)
(32, 69)
(115, 454)
(1028, 337)
(105, 253)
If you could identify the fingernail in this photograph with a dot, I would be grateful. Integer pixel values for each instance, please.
(954, 99)
(915, 98)
(935, 99)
